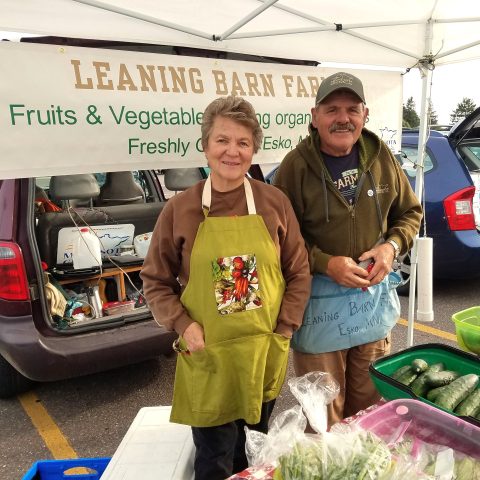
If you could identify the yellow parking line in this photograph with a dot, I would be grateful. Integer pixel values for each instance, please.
(433, 331)
(47, 428)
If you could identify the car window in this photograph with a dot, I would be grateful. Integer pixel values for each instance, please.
(475, 151)
(408, 159)
(42, 182)
(203, 172)
(139, 176)
(474, 156)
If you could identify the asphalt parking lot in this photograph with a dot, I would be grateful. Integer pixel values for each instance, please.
(88, 417)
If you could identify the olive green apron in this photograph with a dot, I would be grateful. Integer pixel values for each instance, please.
(235, 291)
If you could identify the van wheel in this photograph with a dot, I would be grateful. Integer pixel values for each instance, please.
(12, 382)
(402, 267)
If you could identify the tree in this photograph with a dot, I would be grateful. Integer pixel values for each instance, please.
(410, 117)
(432, 114)
(464, 108)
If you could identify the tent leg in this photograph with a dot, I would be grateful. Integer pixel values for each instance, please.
(426, 66)
(411, 295)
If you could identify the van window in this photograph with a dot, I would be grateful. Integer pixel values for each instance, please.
(203, 172)
(139, 176)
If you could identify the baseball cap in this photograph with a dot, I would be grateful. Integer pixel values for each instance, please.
(337, 81)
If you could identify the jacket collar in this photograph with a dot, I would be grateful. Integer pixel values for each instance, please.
(309, 148)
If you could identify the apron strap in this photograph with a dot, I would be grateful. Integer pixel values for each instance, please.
(207, 197)
(249, 194)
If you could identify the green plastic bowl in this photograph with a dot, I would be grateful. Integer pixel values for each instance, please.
(467, 326)
(453, 359)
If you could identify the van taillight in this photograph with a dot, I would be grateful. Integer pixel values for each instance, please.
(13, 279)
(459, 209)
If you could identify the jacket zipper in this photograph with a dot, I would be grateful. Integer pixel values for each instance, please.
(360, 183)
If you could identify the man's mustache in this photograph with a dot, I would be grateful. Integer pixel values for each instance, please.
(342, 126)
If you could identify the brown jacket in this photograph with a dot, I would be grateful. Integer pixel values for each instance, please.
(166, 268)
(328, 223)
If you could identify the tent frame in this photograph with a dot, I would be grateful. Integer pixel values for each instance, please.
(425, 64)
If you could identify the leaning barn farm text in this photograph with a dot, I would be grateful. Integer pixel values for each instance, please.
(102, 75)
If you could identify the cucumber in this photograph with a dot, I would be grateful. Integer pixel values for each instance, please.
(438, 379)
(434, 392)
(419, 365)
(400, 371)
(408, 377)
(419, 386)
(470, 406)
(457, 391)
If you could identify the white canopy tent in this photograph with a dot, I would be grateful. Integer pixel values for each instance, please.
(407, 34)
(374, 32)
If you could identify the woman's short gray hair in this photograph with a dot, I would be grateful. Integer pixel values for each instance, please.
(237, 109)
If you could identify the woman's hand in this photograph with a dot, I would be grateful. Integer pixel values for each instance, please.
(194, 337)
(284, 330)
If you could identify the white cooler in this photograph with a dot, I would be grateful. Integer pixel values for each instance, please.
(153, 448)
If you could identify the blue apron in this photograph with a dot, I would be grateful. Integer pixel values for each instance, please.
(337, 317)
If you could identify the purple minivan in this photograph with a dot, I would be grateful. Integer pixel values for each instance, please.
(51, 326)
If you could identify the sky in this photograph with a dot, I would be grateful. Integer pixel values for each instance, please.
(450, 84)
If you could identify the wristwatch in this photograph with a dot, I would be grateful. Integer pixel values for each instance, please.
(396, 248)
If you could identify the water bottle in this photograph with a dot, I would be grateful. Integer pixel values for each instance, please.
(95, 301)
(86, 250)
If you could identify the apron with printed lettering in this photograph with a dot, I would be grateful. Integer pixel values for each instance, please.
(337, 317)
(234, 291)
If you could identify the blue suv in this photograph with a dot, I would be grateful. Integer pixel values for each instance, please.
(452, 194)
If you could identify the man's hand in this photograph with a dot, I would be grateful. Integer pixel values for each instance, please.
(194, 337)
(345, 271)
(383, 256)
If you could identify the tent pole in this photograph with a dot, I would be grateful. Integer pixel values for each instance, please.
(245, 20)
(425, 66)
(143, 17)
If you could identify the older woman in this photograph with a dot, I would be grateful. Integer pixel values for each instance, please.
(227, 270)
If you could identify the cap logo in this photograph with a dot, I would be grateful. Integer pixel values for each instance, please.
(341, 79)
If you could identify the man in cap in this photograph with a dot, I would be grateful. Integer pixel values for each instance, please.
(357, 212)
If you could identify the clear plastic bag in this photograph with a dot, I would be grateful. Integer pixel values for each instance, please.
(286, 430)
(314, 391)
(347, 452)
(299, 456)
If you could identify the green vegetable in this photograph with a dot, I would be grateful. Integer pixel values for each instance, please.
(467, 469)
(419, 386)
(277, 474)
(378, 462)
(419, 365)
(471, 405)
(360, 456)
(434, 392)
(408, 377)
(457, 391)
(437, 379)
(400, 371)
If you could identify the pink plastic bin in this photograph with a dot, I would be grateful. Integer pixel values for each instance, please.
(417, 419)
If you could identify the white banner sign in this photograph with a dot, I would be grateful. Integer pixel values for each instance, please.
(66, 110)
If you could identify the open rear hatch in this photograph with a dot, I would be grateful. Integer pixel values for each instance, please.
(92, 251)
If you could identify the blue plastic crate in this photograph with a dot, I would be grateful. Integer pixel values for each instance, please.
(59, 469)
